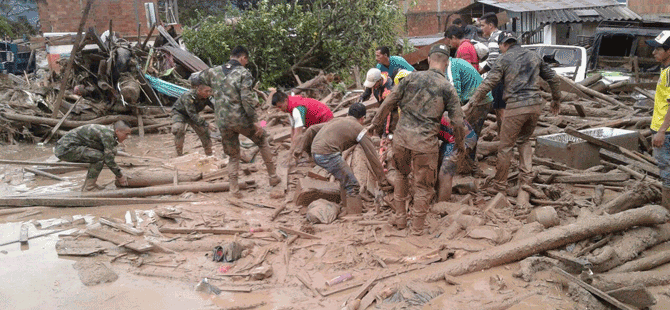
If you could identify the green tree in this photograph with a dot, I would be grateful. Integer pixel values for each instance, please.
(299, 38)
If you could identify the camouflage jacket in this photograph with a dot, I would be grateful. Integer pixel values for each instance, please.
(519, 69)
(189, 105)
(422, 97)
(99, 137)
(234, 98)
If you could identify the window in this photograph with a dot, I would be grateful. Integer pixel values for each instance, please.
(150, 11)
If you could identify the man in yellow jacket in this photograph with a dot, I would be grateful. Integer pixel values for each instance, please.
(661, 118)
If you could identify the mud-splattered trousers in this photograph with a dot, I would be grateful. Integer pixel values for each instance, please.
(179, 122)
(335, 165)
(94, 144)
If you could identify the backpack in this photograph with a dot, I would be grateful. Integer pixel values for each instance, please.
(481, 49)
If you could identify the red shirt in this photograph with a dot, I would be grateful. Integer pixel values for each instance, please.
(316, 112)
(467, 52)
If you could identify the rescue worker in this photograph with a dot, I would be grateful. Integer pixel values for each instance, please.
(519, 69)
(389, 64)
(94, 144)
(327, 141)
(234, 103)
(490, 30)
(660, 121)
(376, 83)
(185, 112)
(423, 97)
(464, 48)
(305, 112)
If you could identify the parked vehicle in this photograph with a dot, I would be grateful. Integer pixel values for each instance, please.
(620, 48)
(568, 61)
(15, 58)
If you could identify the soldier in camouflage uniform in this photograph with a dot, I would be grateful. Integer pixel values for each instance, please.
(185, 111)
(94, 144)
(234, 103)
(520, 70)
(423, 97)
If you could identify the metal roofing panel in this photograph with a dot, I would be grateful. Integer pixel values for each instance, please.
(527, 6)
(611, 13)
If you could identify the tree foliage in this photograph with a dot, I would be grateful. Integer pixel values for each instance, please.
(301, 38)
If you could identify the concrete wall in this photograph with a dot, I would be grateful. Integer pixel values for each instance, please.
(65, 15)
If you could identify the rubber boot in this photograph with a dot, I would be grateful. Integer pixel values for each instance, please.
(665, 197)
(418, 225)
(399, 219)
(233, 168)
(180, 150)
(208, 149)
(266, 154)
(90, 186)
(354, 205)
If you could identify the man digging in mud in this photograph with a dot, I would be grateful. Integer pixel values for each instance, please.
(234, 102)
(185, 111)
(423, 97)
(327, 141)
(94, 144)
(519, 69)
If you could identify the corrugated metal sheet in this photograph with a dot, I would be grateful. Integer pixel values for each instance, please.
(527, 6)
(610, 13)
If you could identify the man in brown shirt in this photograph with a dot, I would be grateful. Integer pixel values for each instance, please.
(329, 140)
(422, 97)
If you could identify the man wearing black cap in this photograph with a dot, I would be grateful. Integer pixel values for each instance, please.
(519, 69)
(327, 141)
(422, 97)
(660, 121)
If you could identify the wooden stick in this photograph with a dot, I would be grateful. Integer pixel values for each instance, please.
(276, 212)
(594, 246)
(36, 236)
(122, 227)
(70, 63)
(215, 231)
(151, 31)
(299, 233)
(53, 130)
(14, 202)
(44, 174)
(593, 290)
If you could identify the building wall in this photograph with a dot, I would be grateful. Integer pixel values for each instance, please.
(65, 15)
(427, 17)
(649, 7)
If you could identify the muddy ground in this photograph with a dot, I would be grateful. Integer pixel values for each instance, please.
(36, 277)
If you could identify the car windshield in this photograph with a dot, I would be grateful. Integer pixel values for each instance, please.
(558, 56)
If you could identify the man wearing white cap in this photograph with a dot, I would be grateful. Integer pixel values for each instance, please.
(376, 83)
(660, 121)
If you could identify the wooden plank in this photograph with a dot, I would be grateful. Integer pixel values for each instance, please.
(299, 233)
(365, 288)
(593, 290)
(83, 247)
(618, 158)
(70, 63)
(44, 174)
(18, 201)
(308, 285)
(57, 164)
(215, 231)
(36, 236)
(130, 242)
(23, 234)
(593, 178)
(119, 226)
(167, 36)
(55, 128)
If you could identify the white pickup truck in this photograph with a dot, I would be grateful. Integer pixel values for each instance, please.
(567, 60)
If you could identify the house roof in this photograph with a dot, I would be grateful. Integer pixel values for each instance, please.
(609, 13)
(527, 6)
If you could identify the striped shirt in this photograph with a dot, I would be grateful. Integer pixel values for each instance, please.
(494, 50)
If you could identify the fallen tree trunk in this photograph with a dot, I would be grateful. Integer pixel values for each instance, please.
(627, 246)
(15, 202)
(594, 93)
(166, 190)
(639, 195)
(613, 281)
(105, 120)
(554, 238)
(644, 263)
(152, 178)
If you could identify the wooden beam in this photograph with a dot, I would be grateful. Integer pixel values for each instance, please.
(14, 202)
(593, 290)
(618, 158)
(215, 231)
(55, 128)
(151, 31)
(70, 63)
(593, 178)
(44, 174)
(119, 226)
(299, 233)
(126, 241)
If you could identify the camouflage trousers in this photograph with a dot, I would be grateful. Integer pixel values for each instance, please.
(82, 154)
(179, 122)
(230, 138)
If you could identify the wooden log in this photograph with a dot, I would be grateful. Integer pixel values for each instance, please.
(147, 178)
(126, 241)
(640, 176)
(594, 178)
(277, 212)
(105, 120)
(14, 202)
(485, 148)
(57, 164)
(498, 202)
(10, 211)
(637, 196)
(550, 163)
(215, 231)
(590, 80)
(594, 246)
(627, 247)
(636, 296)
(70, 63)
(120, 226)
(644, 263)
(61, 170)
(44, 174)
(619, 159)
(593, 290)
(166, 190)
(594, 93)
(612, 281)
(553, 238)
(309, 190)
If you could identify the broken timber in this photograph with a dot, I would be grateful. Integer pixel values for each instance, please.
(119, 226)
(593, 178)
(119, 239)
(78, 201)
(309, 190)
(44, 174)
(618, 158)
(214, 231)
(166, 190)
(593, 290)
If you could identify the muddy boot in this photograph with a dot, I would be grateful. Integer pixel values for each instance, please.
(665, 197)
(180, 150)
(90, 186)
(208, 150)
(354, 205)
(233, 168)
(418, 225)
(266, 154)
(399, 219)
